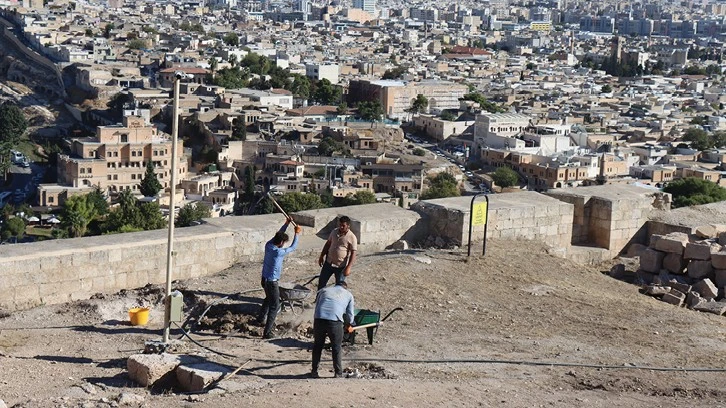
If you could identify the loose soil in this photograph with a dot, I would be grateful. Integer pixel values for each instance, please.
(517, 328)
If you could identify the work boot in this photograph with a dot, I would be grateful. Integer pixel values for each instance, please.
(314, 374)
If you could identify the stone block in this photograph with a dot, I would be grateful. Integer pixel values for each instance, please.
(651, 260)
(710, 231)
(699, 269)
(674, 263)
(674, 297)
(706, 289)
(693, 299)
(718, 260)
(700, 250)
(657, 290)
(718, 308)
(674, 242)
(196, 377)
(147, 369)
(720, 277)
(635, 249)
(654, 240)
(722, 238)
(679, 286)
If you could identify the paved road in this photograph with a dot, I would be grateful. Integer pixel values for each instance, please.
(25, 179)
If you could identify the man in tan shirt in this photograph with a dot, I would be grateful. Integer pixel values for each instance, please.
(338, 253)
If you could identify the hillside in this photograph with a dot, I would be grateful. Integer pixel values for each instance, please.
(483, 332)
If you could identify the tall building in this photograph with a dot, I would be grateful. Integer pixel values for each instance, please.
(369, 6)
(114, 160)
(396, 96)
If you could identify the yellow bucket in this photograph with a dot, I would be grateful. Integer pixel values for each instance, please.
(139, 316)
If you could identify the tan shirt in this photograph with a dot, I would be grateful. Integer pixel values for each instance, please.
(340, 247)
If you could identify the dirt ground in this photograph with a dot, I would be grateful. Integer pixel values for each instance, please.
(517, 328)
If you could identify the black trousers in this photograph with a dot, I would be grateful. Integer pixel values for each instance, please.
(334, 330)
(327, 271)
(270, 305)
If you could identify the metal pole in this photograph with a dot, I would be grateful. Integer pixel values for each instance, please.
(172, 191)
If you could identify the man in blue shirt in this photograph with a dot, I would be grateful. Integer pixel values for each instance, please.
(271, 271)
(331, 304)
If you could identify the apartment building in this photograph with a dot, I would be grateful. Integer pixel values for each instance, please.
(497, 130)
(394, 178)
(114, 160)
(396, 96)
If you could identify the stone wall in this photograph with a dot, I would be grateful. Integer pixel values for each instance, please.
(611, 216)
(525, 215)
(57, 271)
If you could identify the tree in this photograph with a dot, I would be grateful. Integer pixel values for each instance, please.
(328, 146)
(239, 130)
(13, 227)
(191, 213)
(440, 186)
(78, 212)
(699, 139)
(606, 88)
(359, 198)
(231, 38)
(505, 177)
(232, 59)
(213, 64)
(294, 202)
(301, 86)
(97, 199)
(12, 127)
(448, 116)
(232, 78)
(371, 111)
(107, 30)
(394, 73)
(326, 93)
(483, 102)
(151, 217)
(136, 44)
(89, 32)
(419, 152)
(692, 191)
(129, 216)
(342, 109)
(420, 104)
(116, 104)
(150, 184)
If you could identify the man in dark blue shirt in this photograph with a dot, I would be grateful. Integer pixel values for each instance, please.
(271, 271)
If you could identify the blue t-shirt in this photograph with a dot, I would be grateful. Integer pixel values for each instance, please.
(272, 264)
(332, 302)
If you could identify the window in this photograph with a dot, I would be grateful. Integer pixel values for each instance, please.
(82, 170)
(109, 177)
(133, 177)
(89, 170)
(115, 176)
(124, 138)
(50, 200)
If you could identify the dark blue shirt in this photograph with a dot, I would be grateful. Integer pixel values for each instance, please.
(272, 264)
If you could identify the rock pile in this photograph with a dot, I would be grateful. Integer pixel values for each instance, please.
(685, 271)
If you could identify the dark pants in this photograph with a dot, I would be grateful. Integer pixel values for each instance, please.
(328, 271)
(270, 305)
(334, 330)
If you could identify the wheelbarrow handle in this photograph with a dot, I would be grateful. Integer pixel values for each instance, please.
(390, 313)
(365, 326)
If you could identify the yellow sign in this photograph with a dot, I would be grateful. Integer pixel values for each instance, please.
(480, 214)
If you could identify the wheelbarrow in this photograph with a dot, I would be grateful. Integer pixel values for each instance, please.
(369, 320)
(293, 295)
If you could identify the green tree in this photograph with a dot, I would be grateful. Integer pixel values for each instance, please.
(232, 78)
(419, 152)
(440, 186)
(606, 88)
(151, 217)
(191, 213)
(394, 73)
(699, 139)
(239, 130)
(116, 104)
(13, 227)
(107, 30)
(97, 199)
(359, 198)
(150, 185)
(371, 111)
(89, 32)
(505, 177)
(301, 86)
(294, 202)
(342, 109)
(692, 191)
(232, 59)
(12, 126)
(231, 38)
(328, 146)
(484, 103)
(213, 64)
(448, 116)
(136, 44)
(418, 105)
(326, 93)
(78, 211)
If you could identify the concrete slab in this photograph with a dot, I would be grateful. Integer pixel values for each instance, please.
(196, 377)
(147, 369)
